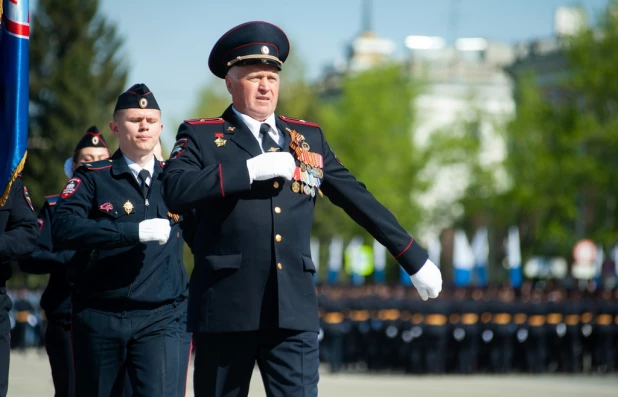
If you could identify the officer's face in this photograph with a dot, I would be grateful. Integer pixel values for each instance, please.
(137, 130)
(254, 89)
(89, 154)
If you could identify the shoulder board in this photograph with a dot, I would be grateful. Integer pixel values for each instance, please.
(298, 121)
(217, 120)
(98, 165)
(52, 200)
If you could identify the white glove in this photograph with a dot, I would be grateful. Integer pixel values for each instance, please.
(428, 280)
(271, 165)
(154, 230)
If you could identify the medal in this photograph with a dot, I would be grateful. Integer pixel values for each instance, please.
(296, 187)
(307, 190)
(128, 207)
(303, 167)
(312, 192)
(219, 141)
(320, 173)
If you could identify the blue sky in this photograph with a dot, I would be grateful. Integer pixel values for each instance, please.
(167, 43)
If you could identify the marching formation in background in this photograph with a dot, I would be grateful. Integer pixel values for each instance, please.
(119, 316)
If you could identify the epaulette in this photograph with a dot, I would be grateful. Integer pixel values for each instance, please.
(298, 121)
(52, 200)
(98, 165)
(217, 120)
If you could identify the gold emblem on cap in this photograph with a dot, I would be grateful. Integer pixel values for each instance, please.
(143, 102)
(220, 142)
(128, 207)
(95, 140)
(265, 50)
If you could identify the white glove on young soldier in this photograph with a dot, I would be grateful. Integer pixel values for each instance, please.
(271, 165)
(428, 280)
(154, 230)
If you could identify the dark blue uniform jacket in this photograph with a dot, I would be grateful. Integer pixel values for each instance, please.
(56, 299)
(253, 267)
(99, 212)
(18, 228)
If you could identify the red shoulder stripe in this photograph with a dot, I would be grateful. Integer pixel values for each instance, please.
(217, 120)
(98, 168)
(298, 121)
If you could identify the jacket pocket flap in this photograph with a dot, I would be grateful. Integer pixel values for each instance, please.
(218, 262)
(308, 264)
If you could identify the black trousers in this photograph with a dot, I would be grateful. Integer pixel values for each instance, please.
(5, 341)
(288, 362)
(60, 354)
(145, 344)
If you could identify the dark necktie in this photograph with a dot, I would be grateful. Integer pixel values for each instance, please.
(268, 144)
(143, 177)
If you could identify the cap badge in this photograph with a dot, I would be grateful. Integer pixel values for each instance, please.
(95, 140)
(143, 102)
(265, 50)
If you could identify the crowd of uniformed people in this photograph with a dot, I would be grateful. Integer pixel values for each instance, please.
(533, 329)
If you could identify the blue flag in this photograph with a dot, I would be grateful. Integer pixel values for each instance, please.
(14, 83)
(480, 246)
(463, 259)
(514, 257)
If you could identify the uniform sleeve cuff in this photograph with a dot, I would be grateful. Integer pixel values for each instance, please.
(130, 232)
(233, 178)
(412, 258)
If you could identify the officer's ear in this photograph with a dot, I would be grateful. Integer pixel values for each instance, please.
(228, 83)
(113, 126)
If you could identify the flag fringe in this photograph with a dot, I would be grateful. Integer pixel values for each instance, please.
(20, 167)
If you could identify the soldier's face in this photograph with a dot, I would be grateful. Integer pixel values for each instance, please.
(254, 89)
(137, 130)
(89, 154)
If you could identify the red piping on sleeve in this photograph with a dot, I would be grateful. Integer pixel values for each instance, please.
(221, 181)
(405, 249)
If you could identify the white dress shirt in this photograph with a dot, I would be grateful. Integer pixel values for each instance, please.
(254, 127)
(135, 169)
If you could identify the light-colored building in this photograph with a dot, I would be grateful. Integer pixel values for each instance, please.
(545, 57)
(460, 83)
(463, 87)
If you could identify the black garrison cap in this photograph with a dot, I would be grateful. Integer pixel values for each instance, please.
(250, 43)
(138, 96)
(92, 138)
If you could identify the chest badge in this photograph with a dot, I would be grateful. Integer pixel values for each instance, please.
(220, 141)
(107, 207)
(128, 207)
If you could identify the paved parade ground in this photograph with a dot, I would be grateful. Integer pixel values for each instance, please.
(30, 377)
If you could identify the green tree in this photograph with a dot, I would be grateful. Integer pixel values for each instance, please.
(76, 74)
(368, 126)
(561, 148)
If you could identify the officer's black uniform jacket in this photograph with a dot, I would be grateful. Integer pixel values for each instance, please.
(18, 228)
(243, 278)
(100, 212)
(56, 299)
